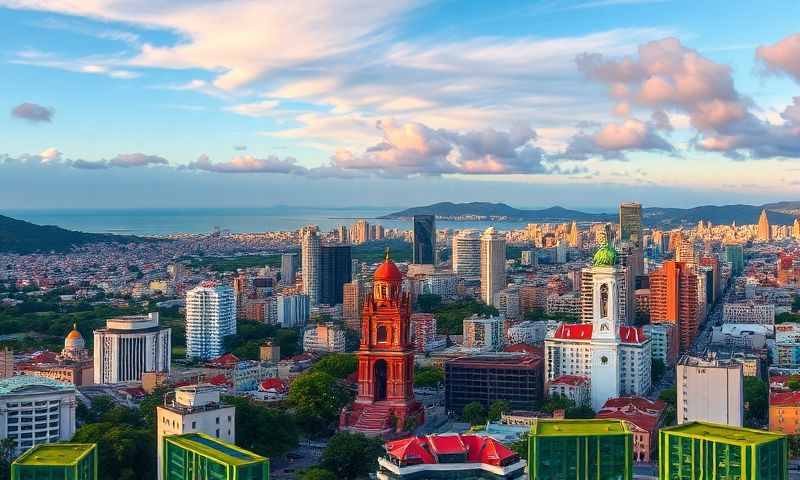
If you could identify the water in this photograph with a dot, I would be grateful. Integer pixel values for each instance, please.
(165, 221)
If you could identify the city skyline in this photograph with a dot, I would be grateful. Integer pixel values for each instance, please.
(115, 103)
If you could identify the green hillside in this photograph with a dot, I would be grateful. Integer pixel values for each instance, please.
(18, 236)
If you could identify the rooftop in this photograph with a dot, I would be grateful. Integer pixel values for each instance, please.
(211, 447)
(55, 454)
(723, 433)
(19, 383)
(499, 359)
(567, 428)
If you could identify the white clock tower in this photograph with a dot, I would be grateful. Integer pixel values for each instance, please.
(606, 342)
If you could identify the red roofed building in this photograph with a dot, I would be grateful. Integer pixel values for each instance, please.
(784, 412)
(449, 456)
(226, 361)
(575, 387)
(644, 416)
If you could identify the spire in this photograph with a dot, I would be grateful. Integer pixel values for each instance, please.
(386, 254)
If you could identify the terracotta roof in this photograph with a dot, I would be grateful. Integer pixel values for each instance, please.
(583, 331)
(784, 399)
(425, 450)
(219, 380)
(639, 411)
(388, 272)
(572, 380)
(273, 384)
(523, 347)
(227, 360)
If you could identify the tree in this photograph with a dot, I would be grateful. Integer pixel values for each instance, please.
(339, 365)
(317, 399)
(756, 398)
(428, 377)
(520, 447)
(427, 302)
(657, 369)
(558, 402)
(793, 384)
(124, 452)
(669, 395)
(265, 431)
(7, 447)
(794, 446)
(579, 412)
(317, 473)
(497, 408)
(352, 455)
(474, 413)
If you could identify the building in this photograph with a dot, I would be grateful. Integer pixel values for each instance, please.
(448, 456)
(132, 345)
(324, 338)
(734, 254)
(493, 264)
(786, 352)
(699, 451)
(710, 391)
(193, 409)
(569, 304)
(514, 377)
(360, 232)
(423, 328)
(293, 310)
(210, 317)
(335, 269)
(587, 296)
(63, 461)
(424, 236)
(630, 224)
(269, 352)
(483, 334)
(7, 363)
(186, 455)
(674, 299)
(746, 336)
(574, 387)
(36, 410)
(440, 283)
(580, 450)
(342, 235)
(351, 305)
(749, 312)
(664, 343)
(784, 412)
(531, 297)
(310, 245)
(644, 418)
(385, 360)
(764, 233)
(289, 268)
(74, 365)
(528, 332)
(466, 257)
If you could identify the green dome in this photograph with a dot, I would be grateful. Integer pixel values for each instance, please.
(605, 256)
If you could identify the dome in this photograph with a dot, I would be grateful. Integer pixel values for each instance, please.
(74, 339)
(388, 271)
(606, 256)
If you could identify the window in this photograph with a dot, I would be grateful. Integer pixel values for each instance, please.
(382, 334)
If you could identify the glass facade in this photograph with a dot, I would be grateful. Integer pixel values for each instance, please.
(424, 239)
(630, 224)
(335, 269)
(198, 457)
(40, 463)
(581, 457)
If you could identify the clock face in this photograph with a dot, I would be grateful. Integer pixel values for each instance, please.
(604, 360)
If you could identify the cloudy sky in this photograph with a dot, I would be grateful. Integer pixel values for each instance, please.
(581, 103)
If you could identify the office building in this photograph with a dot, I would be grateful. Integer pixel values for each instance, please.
(493, 264)
(289, 268)
(644, 417)
(630, 224)
(483, 333)
(506, 301)
(293, 310)
(194, 409)
(580, 450)
(36, 410)
(310, 244)
(424, 240)
(710, 391)
(130, 346)
(210, 317)
(351, 305)
(466, 256)
(63, 461)
(516, 378)
(324, 338)
(664, 343)
(735, 255)
(335, 269)
(342, 234)
(701, 451)
(360, 232)
(764, 233)
(674, 299)
(749, 312)
(185, 456)
(716, 281)
(470, 457)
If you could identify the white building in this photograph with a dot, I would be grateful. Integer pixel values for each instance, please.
(506, 301)
(532, 333)
(528, 258)
(194, 409)
(710, 391)
(786, 350)
(130, 346)
(574, 387)
(441, 283)
(663, 341)
(493, 264)
(36, 410)
(310, 244)
(324, 338)
(210, 317)
(293, 310)
(749, 312)
(743, 335)
(483, 334)
(568, 304)
(467, 253)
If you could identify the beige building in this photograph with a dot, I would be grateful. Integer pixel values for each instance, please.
(6, 363)
(710, 391)
(493, 264)
(193, 409)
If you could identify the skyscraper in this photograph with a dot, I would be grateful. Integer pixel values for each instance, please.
(342, 234)
(288, 268)
(351, 305)
(674, 299)
(796, 229)
(493, 264)
(735, 255)
(210, 316)
(764, 230)
(130, 346)
(359, 232)
(335, 269)
(467, 253)
(424, 239)
(310, 251)
(630, 223)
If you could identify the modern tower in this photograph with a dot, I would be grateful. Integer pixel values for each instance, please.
(764, 230)
(192, 456)
(288, 268)
(493, 264)
(466, 256)
(210, 317)
(674, 299)
(130, 346)
(630, 224)
(335, 269)
(360, 232)
(310, 245)
(796, 229)
(424, 240)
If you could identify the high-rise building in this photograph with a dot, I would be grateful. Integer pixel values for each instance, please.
(360, 232)
(310, 245)
(62, 461)
(193, 409)
(686, 252)
(574, 235)
(424, 245)
(764, 230)
(335, 269)
(351, 305)
(467, 253)
(293, 310)
(716, 283)
(630, 224)
(673, 299)
(493, 264)
(6, 363)
(210, 317)
(324, 338)
(710, 391)
(288, 268)
(342, 235)
(796, 228)
(188, 454)
(735, 255)
(130, 346)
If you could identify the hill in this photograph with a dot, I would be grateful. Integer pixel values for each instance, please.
(497, 211)
(18, 236)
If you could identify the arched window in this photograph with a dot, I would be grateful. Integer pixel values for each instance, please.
(604, 300)
(383, 333)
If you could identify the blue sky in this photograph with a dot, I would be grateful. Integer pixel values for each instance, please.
(245, 103)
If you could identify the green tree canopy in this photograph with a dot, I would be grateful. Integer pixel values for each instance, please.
(497, 408)
(474, 413)
(339, 365)
(317, 473)
(124, 452)
(756, 397)
(317, 399)
(428, 377)
(265, 431)
(352, 455)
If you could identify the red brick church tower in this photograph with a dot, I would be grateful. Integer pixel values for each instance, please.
(385, 360)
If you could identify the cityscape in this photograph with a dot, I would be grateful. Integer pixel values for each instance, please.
(409, 240)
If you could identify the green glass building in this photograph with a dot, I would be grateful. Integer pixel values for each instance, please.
(197, 456)
(707, 451)
(57, 461)
(735, 255)
(580, 450)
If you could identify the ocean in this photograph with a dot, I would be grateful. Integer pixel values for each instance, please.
(165, 221)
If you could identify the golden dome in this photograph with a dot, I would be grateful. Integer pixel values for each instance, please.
(74, 334)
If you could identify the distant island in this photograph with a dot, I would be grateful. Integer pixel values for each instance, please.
(782, 213)
(18, 236)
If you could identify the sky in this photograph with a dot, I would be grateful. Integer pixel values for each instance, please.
(579, 103)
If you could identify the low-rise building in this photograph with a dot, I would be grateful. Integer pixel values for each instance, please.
(62, 461)
(784, 412)
(186, 455)
(574, 387)
(643, 416)
(786, 352)
(751, 336)
(566, 304)
(324, 338)
(749, 312)
(710, 390)
(483, 333)
(423, 331)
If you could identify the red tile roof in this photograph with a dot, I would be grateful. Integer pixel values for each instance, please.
(227, 360)
(447, 444)
(583, 331)
(641, 412)
(478, 449)
(572, 380)
(784, 399)
(273, 384)
(219, 380)
(523, 347)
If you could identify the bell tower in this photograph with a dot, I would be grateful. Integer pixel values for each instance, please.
(606, 286)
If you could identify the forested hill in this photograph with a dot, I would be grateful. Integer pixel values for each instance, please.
(18, 236)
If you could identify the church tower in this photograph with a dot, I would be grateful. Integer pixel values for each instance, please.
(606, 288)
